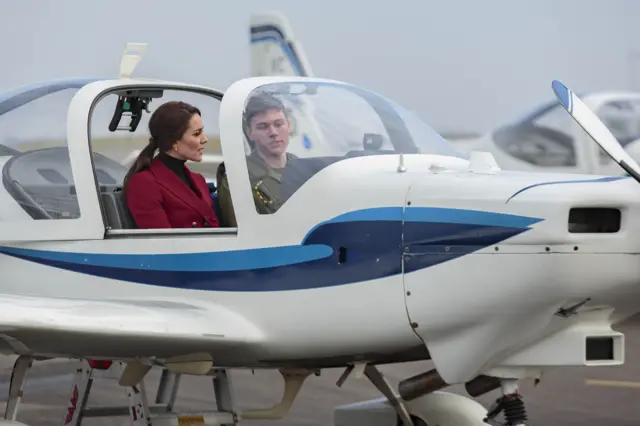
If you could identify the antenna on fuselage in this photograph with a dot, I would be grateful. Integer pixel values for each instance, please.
(401, 167)
(131, 57)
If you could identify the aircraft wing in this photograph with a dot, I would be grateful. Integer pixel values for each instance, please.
(119, 328)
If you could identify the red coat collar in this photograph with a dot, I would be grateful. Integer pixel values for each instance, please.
(177, 187)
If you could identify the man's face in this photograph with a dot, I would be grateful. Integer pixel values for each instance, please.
(270, 131)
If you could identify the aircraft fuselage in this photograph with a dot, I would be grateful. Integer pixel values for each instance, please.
(443, 253)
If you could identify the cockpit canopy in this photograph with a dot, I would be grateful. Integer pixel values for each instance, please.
(328, 119)
(294, 129)
(323, 122)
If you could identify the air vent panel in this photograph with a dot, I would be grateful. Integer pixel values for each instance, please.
(594, 220)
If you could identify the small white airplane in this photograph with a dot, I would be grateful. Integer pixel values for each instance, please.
(546, 139)
(390, 247)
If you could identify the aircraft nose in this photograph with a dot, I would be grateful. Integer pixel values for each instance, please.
(543, 240)
(591, 230)
(602, 212)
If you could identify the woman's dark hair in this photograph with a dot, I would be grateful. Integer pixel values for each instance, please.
(167, 125)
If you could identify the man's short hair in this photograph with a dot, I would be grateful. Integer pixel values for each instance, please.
(260, 103)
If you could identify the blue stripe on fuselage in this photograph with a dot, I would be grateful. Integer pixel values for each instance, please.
(234, 260)
(373, 243)
(437, 215)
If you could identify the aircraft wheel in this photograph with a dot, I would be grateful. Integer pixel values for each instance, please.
(446, 409)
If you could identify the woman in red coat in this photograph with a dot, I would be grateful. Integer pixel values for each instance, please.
(160, 191)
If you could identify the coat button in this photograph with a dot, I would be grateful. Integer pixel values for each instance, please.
(193, 225)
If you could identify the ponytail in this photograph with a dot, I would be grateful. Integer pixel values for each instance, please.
(143, 161)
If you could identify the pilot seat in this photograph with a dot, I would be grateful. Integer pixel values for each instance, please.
(118, 216)
(213, 191)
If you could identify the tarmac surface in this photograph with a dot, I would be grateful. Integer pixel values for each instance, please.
(563, 397)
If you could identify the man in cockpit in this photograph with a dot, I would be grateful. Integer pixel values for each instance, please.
(267, 128)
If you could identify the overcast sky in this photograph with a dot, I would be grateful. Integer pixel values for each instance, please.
(461, 65)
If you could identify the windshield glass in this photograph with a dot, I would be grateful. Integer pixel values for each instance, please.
(331, 119)
(34, 155)
(295, 129)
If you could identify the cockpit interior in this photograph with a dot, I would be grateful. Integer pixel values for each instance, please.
(42, 183)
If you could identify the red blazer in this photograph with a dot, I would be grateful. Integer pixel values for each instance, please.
(157, 198)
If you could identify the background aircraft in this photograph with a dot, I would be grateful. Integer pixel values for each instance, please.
(546, 139)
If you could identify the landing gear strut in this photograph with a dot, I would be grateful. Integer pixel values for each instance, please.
(16, 387)
(378, 380)
(511, 403)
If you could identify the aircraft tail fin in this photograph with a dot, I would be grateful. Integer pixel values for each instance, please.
(275, 52)
(274, 49)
